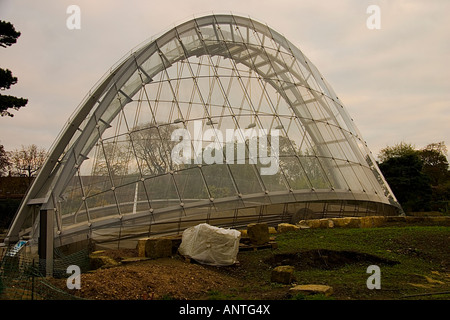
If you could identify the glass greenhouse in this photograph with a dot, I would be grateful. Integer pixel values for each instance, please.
(220, 120)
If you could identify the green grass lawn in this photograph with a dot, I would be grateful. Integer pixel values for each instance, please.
(414, 263)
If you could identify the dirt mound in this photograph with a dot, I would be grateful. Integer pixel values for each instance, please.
(167, 278)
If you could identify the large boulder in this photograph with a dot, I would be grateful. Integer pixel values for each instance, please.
(258, 233)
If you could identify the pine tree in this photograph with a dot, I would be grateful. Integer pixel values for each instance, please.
(8, 36)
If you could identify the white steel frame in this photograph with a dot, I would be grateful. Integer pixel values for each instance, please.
(275, 61)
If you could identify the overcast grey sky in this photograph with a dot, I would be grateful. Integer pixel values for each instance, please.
(394, 81)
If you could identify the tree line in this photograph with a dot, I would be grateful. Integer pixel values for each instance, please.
(8, 37)
(419, 178)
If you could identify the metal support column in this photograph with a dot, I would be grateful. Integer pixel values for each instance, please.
(45, 248)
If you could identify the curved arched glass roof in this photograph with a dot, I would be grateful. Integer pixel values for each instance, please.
(230, 84)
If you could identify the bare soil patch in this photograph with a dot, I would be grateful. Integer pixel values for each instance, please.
(166, 278)
(325, 259)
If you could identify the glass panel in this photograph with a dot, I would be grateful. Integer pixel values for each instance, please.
(132, 198)
(102, 205)
(190, 185)
(162, 191)
(134, 83)
(315, 173)
(246, 178)
(152, 65)
(190, 40)
(273, 182)
(172, 50)
(349, 175)
(152, 146)
(365, 183)
(295, 174)
(219, 181)
(95, 184)
(71, 205)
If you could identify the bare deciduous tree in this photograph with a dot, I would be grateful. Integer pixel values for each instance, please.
(27, 161)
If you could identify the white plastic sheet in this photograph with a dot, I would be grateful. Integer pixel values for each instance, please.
(210, 245)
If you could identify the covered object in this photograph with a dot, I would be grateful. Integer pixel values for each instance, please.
(210, 245)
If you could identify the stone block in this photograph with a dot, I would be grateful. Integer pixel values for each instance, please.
(243, 234)
(443, 220)
(286, 227)
(409, 219)
(272, 230)
(313, 223)
(395, 219)
(141, 247)
(258, 233)
(347, 222)
(283, 274)
(154, 248)
(326, 223)
(311, 289)
(372, 221)
(96, 261)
